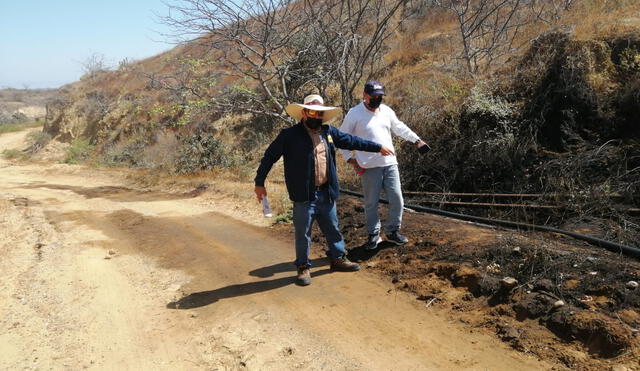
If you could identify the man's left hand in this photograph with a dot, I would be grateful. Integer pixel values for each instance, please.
(423, 147)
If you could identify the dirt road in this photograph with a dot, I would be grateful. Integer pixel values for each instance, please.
(101, 276)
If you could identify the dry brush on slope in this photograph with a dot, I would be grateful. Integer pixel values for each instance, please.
(558, 117)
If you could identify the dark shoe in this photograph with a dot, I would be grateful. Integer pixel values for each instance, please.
(304, 276)
(344, 265)
(397, 238)
(373, 242)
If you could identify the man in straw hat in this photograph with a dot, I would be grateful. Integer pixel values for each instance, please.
(308, 149)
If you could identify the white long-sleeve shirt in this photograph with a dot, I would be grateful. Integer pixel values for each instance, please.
(377, 127)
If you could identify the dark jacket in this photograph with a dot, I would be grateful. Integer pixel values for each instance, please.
(295, 145)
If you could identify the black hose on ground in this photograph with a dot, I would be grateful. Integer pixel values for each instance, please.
(611, 246)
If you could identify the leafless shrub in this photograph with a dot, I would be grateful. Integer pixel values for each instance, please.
(96, 103)
(251, 40)
(489, 29)
(190, 78)
(594, 182)
(492, 119)
(37, 140)
(125, 64)
(94, 65)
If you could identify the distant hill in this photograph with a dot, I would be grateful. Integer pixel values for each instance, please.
(24, 104)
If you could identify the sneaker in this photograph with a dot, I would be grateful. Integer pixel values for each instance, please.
(397, 238)
(373, 242)
(344, 265)
(304, 276)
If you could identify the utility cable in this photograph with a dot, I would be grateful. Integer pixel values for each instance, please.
(609, 245)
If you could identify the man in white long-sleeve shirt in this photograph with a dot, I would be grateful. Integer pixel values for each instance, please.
(375, 121)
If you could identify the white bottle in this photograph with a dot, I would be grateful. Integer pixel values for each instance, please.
(266, 209)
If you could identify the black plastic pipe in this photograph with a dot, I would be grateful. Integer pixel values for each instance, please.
(609, 245)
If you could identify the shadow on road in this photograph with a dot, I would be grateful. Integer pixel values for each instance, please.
(361, 254)
(269, 271)
(203, 298)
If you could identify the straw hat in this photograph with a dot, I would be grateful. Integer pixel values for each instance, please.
(312, 102)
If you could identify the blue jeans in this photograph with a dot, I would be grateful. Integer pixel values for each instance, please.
(373, 181)
(324, 211)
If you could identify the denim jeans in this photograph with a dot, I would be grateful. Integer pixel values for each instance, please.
(324, 211)
(373, 181)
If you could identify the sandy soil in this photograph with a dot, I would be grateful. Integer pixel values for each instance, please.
(99, 275)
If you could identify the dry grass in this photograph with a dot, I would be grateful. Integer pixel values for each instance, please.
(428, 46)
(15, 154)
(424, 40)
(9, 128)
(601, 18)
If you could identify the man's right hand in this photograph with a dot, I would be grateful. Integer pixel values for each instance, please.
(386, 151)
(260, 192)
(423, 147)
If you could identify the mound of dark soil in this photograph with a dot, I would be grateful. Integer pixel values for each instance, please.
(546, 294)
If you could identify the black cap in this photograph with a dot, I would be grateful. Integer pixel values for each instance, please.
(373, 87)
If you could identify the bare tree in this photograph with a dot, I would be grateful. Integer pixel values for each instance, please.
(189, 78)
(93, 65)
(489, 28)
(250, 40)
(287, 48)
(350, 38)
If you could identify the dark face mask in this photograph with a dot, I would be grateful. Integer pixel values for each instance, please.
(312, 123)
(374, 102)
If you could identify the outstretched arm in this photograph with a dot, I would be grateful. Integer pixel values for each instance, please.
(351, 142)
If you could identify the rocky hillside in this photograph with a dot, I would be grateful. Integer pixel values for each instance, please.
(555, 111)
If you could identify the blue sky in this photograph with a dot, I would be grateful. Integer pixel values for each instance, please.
(44, 42)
